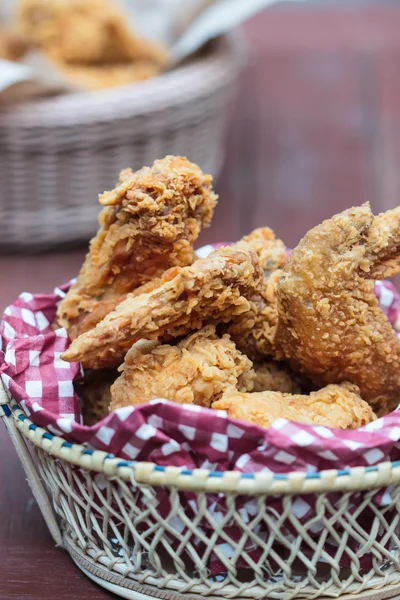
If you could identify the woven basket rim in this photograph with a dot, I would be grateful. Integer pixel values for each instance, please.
(350, 479)
(192, 80)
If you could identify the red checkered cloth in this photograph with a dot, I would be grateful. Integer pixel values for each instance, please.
(167, 433)
(187, 436)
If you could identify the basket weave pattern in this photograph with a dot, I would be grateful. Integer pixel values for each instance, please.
(117, 524)
(111, 523)
(57, 154)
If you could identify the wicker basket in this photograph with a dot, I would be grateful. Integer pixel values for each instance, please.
(95, 516)
(57, 154)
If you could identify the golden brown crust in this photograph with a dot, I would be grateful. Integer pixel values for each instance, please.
(253, 332)
(149, 224)
(212, 290)
(338, 406)
(198, 370)
(330, 325)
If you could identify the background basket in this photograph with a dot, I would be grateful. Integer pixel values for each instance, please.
(57, 154)
(105, 513)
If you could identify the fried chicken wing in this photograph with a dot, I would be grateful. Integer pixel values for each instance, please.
(212, 290)
(149, 224)
(330, 325)
(198, 370)
(273, 377)
(253, 331)
(338, 406)
(87, 32)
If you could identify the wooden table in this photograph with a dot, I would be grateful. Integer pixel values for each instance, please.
(315, 129)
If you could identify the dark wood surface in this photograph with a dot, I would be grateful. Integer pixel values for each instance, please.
(315, 129)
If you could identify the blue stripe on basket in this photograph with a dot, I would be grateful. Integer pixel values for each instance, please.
(6, 409)
(130, 463)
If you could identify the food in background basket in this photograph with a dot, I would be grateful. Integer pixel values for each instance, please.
(149, 224)
(198, 370)
(330, 324)
(213, 289)
(97, 77)
(12, 46)
(90, 41)
(338, 406)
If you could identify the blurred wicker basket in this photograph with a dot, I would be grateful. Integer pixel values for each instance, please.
(58, 153)
(104, 511)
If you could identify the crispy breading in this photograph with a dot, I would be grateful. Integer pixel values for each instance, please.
(330, 324)
(274, 377)
(338, 406)
(253, 331)
(149, 224)
(212, 290)
(198, 370)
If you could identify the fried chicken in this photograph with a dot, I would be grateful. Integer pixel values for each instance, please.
(212, 290)
(12, 46)
(338, 406)
(275, 378)
(149, 224)
(253, 331)
(85, 32)
(94, 392)
(196, 371)
(330, 324)
(98, 77)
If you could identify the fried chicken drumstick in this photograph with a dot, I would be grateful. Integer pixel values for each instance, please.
(338, 406)
(196, 371)
(330, 324)
(212, 290)
(149, 224)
